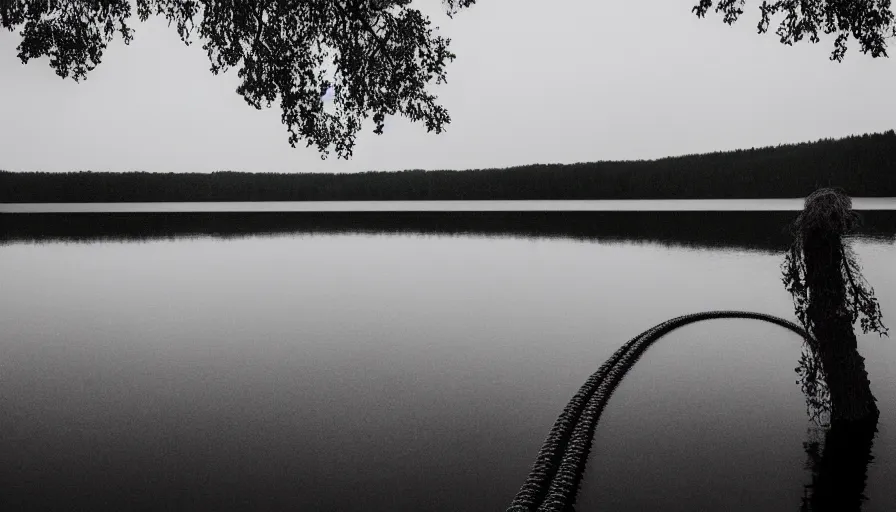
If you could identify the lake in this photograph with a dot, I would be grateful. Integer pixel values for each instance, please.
(409, 359)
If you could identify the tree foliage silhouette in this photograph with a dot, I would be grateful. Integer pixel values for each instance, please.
(377, 56)
(870, 22)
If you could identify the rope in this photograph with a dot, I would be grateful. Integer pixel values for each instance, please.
(554, 480)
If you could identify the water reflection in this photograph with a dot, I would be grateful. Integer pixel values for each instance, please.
(385, 373)
(839, 466)
(756, 231)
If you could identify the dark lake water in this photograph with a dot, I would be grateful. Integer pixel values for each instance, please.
(383, 361)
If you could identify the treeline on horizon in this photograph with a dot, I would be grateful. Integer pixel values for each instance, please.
(864, 166)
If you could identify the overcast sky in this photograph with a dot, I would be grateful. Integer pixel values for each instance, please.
(535, 81)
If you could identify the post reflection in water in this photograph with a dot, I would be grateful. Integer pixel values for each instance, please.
(839, 466)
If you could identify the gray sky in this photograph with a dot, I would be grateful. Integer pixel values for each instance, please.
(535, 81)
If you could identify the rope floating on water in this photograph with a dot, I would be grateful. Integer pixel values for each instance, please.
(554, 480)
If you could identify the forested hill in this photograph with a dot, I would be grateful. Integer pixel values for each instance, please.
(862, 165)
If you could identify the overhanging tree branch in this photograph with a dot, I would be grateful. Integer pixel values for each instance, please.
(284, 50)
(870, 22)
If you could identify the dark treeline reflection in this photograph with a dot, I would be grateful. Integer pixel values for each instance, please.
(863, 166)
(761, 231)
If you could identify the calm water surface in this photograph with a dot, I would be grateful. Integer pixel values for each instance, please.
(382, 370)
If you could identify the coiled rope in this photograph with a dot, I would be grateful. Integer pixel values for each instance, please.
(554, 481)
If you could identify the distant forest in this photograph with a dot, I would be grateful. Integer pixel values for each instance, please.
(861, 165)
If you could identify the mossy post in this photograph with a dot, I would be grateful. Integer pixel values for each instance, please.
(830, 295)
(844, 368)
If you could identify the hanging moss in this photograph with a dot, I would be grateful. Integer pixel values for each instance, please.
(822, 295)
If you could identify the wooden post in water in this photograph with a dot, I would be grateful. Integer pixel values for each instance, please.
(830, 295)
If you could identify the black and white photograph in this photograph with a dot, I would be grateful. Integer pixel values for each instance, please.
(447, 255)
